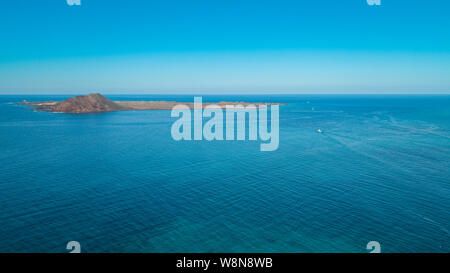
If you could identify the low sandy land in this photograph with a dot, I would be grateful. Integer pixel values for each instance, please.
(168, 105)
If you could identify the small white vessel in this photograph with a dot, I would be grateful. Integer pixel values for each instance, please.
(319, 131)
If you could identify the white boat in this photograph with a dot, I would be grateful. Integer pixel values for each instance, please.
(319, 131)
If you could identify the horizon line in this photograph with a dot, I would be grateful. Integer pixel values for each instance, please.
(231, 93)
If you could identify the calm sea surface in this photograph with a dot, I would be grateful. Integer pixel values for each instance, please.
(117, 182)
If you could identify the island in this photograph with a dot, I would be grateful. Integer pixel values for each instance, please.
(97, 103)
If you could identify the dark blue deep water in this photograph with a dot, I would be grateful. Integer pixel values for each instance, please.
(117, 182)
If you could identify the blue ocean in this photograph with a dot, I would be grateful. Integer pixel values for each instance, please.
(118, 182)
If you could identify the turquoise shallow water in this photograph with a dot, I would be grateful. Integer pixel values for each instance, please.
(117, 182)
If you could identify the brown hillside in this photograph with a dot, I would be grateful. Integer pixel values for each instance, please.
(91, 103)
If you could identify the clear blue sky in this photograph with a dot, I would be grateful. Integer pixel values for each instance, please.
(224, 46)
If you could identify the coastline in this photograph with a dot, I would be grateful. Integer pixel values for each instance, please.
(97, 103)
